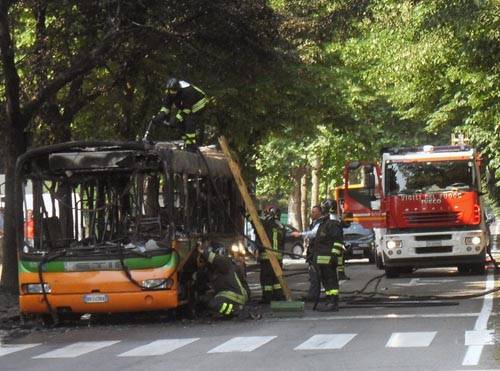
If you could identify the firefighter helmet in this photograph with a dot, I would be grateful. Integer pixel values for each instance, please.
(218, 248)
(172, 86)
(272, 211)
(329, 206)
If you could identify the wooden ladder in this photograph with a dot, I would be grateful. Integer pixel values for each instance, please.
(235, 169)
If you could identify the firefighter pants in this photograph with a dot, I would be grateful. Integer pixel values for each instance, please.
(341, 262)
(314, 283)
(271, 287)
(224, 306)
(327, 265)
(193, 130)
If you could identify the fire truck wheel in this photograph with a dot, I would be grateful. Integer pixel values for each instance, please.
(392, 272)
(378, 261)
(478, 269)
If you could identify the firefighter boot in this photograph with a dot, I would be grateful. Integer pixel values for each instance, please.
(332, 305)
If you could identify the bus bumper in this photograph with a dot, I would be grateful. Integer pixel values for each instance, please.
(115, 303)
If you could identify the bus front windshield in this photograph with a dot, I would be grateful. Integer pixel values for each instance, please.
(429, 177)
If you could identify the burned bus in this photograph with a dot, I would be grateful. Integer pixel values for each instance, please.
(114, 225)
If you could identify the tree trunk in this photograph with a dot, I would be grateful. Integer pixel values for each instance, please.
(316, 165)
(294, 201)
(14, 145)
(303, 202)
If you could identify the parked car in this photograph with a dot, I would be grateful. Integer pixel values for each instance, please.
(359, 242)
(293, 245)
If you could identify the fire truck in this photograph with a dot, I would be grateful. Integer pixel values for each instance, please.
(424, 205)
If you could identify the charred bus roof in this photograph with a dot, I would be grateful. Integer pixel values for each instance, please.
(103, 156)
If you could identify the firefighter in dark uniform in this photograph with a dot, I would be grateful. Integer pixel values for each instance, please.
(341, 258)
(230, 290)
(271, 287)
(327, 248)
(188, 101)
(309, 236)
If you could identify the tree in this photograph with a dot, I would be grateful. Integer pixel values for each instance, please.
(95, 70)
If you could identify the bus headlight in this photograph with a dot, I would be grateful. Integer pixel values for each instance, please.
(36, 288)
(393, 244)
(157, 284)
(476, 240)
(238, 249)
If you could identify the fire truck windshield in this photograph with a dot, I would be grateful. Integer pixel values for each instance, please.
(429, 177)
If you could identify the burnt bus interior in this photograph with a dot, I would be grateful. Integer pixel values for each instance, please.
(108, 198)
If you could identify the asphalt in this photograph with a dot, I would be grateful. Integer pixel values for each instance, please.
(452, 336)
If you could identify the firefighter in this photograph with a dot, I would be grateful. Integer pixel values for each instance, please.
(271, 287)
(341, 258)
(309, 236)
(230, 290)
(188, 101)
(327, 244)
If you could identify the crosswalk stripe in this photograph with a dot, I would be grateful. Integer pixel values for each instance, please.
(410, 339)
(158, 347)
(12, 348)
(77, 349)
(479, 337)
(242, 344)
(331, 341)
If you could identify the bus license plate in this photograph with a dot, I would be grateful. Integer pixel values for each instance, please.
(433, 243)
(95, 298)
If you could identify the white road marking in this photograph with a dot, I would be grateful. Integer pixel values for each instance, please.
(242, 344)
(410, 339)
(158, 347)
(77, 349)
(480, 337)
(332, 341)
(12, 348)
(413, 282)
(422, 282)
(381, 316)
(473, 353)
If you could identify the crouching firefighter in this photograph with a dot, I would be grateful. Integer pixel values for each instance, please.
(271, 287)
(327, 248)
(230, 290)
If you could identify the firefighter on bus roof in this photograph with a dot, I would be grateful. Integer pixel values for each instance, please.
(188, 101)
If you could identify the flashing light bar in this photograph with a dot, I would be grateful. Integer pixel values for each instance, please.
(426, 149)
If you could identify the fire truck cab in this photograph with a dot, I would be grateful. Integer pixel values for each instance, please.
(425, 207)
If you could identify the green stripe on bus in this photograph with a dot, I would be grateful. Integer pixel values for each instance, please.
(67, 265)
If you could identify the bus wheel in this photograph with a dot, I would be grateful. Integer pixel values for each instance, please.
(46, 319)
(391, 272)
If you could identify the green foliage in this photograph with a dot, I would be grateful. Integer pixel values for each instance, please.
(390, 73)
(289, 77)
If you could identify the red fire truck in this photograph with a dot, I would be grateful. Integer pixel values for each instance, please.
(424, 205)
